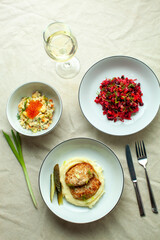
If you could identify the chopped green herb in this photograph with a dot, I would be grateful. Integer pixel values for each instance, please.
(89, 172)
(84, 197)
(70, 185)
(131, 85)
(18, 116)
(24, 108)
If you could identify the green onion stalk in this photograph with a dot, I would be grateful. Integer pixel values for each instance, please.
(17, 150)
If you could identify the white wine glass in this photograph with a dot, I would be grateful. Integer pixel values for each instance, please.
(61, 45)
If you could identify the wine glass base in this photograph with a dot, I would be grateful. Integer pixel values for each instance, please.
(68, 69)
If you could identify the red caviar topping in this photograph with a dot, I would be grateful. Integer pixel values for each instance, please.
(33, 108)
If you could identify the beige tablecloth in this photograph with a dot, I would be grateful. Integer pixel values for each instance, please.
(103, 28)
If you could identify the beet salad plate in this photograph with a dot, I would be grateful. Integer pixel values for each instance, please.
(116, 67)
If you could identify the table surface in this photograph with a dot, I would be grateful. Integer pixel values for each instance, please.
(103, 29)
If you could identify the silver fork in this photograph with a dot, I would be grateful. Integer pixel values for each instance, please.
(142, 159)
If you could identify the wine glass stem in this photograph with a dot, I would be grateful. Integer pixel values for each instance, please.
(67, 65)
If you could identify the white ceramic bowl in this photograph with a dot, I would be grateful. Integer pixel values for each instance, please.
(26, 90)
(112, 171)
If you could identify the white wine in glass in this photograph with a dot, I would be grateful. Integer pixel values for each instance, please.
(61, 45)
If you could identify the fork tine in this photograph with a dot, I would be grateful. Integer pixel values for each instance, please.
(144, 149)
(137, 152)
(141, 148)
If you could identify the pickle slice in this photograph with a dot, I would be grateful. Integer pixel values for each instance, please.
(58, 184)
(60, 198)
(57, 178)
(52, 187)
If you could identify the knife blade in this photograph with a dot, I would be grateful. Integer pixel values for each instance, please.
(134, 180)
(130, 164)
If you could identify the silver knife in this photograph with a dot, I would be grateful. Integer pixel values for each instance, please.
(134, 180)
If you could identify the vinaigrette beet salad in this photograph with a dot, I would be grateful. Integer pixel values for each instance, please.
(120, 98)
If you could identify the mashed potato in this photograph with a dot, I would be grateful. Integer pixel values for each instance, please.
(90, 202)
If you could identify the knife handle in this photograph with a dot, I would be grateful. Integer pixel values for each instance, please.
(139, 200)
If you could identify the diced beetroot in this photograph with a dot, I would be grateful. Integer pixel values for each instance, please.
(119, 97)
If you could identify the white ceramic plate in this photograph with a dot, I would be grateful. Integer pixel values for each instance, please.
(117, 66)
(113, 173)
(28, 89)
